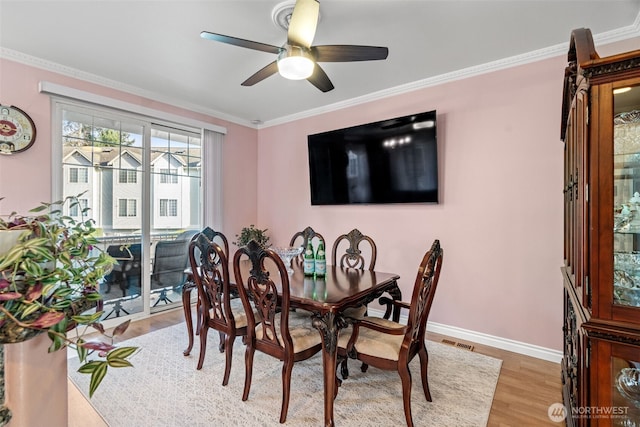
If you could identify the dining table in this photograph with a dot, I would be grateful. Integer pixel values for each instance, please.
(327, 298)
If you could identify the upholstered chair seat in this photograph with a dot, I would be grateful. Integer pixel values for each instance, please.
(390, 345)
(303, 334)
(376, 343)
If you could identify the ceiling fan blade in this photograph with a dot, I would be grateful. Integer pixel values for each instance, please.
(240, 42)
(304, 20)
(320, 79)
(348, 53)
(262, 74)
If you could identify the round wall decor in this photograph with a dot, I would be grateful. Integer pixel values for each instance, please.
(17, 130)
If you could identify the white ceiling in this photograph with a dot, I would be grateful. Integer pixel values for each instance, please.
(153, 48)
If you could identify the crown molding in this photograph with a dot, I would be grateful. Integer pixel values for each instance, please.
(43, 64)
(612, 36)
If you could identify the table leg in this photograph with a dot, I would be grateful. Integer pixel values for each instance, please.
(329, 325)
(186, 306)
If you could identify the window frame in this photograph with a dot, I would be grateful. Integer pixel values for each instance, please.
(211, 139)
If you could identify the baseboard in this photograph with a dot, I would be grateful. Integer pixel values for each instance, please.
(490, 340)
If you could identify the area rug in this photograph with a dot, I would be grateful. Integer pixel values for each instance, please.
(165, 389)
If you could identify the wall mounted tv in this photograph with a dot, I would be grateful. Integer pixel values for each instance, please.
(391, 161)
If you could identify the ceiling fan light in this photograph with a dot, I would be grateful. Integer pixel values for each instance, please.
(295, 63)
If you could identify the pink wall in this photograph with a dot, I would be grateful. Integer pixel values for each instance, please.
(500, 216)
(25, 177)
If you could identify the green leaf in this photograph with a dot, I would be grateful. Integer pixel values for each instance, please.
(42, 253)
(86, 319)
(90, 367)
(30, 308)
(93, 296)
(121, 353)
(39, 208)
(119, 363)
(81, 350)
(57, 342)
(64, 257)
(97, 376)
(63, 291)
(11, 258)
(61, 305)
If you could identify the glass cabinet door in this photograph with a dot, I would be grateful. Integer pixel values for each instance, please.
(625, 392)
(626, 195)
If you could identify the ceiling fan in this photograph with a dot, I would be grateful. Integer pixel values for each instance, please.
(297, 58)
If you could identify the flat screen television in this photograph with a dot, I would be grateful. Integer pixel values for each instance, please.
(391, 161)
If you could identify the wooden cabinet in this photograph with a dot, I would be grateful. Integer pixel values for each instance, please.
(601, 133)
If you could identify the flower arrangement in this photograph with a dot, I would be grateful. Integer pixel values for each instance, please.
(252, 233)
(49, 280)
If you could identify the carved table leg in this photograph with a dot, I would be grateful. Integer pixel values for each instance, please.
(329, 325)
(186, 306)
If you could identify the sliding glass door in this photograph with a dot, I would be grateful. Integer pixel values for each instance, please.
(141, 182)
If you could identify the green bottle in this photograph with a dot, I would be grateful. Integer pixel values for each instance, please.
(308, 260)
(321, 261)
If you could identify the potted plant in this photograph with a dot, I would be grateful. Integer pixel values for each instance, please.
(252, 233)
(49, 280)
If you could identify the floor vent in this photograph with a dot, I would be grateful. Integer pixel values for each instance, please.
(458, 344)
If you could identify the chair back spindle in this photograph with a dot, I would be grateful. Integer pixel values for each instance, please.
(269, 302)
(306, 234)
(211, 275)
(353, 254)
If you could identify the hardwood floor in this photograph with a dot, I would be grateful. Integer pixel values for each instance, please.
(526, 387)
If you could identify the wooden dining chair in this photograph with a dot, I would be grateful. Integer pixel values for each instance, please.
(306, 235)
(280, 333)
(218, 309)
(390, 345)
(347, 252)
(221, 240)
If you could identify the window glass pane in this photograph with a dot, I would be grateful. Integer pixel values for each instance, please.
(626, 196)
(175, 179)
(105, 156)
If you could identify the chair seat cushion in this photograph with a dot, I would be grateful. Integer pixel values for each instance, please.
(374, 343)
(302, 332)
(239, 315)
